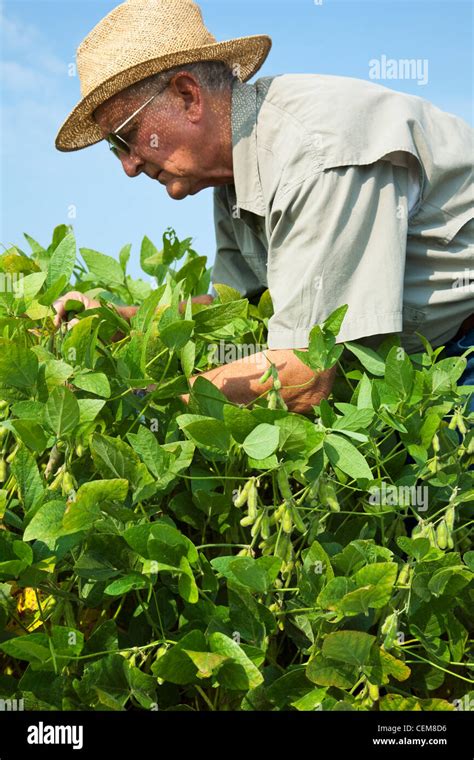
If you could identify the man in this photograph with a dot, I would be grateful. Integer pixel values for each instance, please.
(327, 190)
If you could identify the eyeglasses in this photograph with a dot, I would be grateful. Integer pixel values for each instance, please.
(116, 143)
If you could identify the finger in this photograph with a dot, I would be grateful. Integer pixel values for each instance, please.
(58, 306)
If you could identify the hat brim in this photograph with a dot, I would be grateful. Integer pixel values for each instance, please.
(80, 130)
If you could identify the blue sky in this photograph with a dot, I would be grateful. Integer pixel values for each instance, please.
(40, 185)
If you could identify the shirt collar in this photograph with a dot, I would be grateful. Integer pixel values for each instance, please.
(248, 188)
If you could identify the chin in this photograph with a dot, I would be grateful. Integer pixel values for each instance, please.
(177, 194)
(178, 190)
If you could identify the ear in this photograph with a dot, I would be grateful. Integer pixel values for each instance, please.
(185, 86)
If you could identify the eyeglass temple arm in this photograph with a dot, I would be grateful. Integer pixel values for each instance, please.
(134, 114)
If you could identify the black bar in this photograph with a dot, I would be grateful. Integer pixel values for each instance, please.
(137, 734)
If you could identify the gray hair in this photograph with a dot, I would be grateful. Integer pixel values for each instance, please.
(214, 76)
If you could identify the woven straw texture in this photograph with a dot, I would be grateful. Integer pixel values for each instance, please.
(143, 37)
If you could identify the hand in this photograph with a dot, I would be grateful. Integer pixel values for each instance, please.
(73, 295)
(206, 300)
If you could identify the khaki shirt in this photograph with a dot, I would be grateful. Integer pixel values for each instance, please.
(348, 192)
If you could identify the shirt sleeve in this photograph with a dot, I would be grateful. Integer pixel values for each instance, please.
(230, 266)
(338, 237)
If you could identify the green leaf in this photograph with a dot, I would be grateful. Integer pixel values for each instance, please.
(468, 558)
(105, 683)
(76, 346)
(56, 372)
(34, 647)
(450, 580)
(175, 665)
(369, 358)
(124, 256)
(89, 408)
(364, 396)
(352, 647)
(168, 545)
(239, 422)
(28, 478)
(399, 372)
(344, 455)
(206, 399)
(322, 351)
(414, 547)
(84, 510)
(104, 268)
(188, 357)
(310, 701)
(114, 458)
(61, 412)
(186, 584)
(93, 382)
(382, 664)
(240, 673)
(262, 441)
(29, 432)
(148, 449)
(333, 323)
(62, 260)
(18, 365)
(375, 586)
(34, 245)
(37, 648)
(208, 433)
(354, 419)
(256, 574)
(327, 672)
(206, 663)
(177, 334)
(226, 294)
(214, 317)
(53, 292)
(335, 590)
(29, 286)
(248, 573)
(127, 583)
(46, 524)
(265, 305)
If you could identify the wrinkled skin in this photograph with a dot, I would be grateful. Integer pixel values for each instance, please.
(184, 133)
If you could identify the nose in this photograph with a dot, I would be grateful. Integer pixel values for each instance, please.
(132, 165)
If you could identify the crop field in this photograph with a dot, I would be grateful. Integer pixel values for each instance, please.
(158, 555)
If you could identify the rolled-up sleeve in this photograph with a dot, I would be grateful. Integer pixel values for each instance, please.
(338, 237)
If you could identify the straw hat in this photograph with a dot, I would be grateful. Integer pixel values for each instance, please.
(143, 37)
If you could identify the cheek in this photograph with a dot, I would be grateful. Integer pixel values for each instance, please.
(158, 134)
(165, 143)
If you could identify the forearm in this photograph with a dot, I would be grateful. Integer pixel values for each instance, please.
(301, 388)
